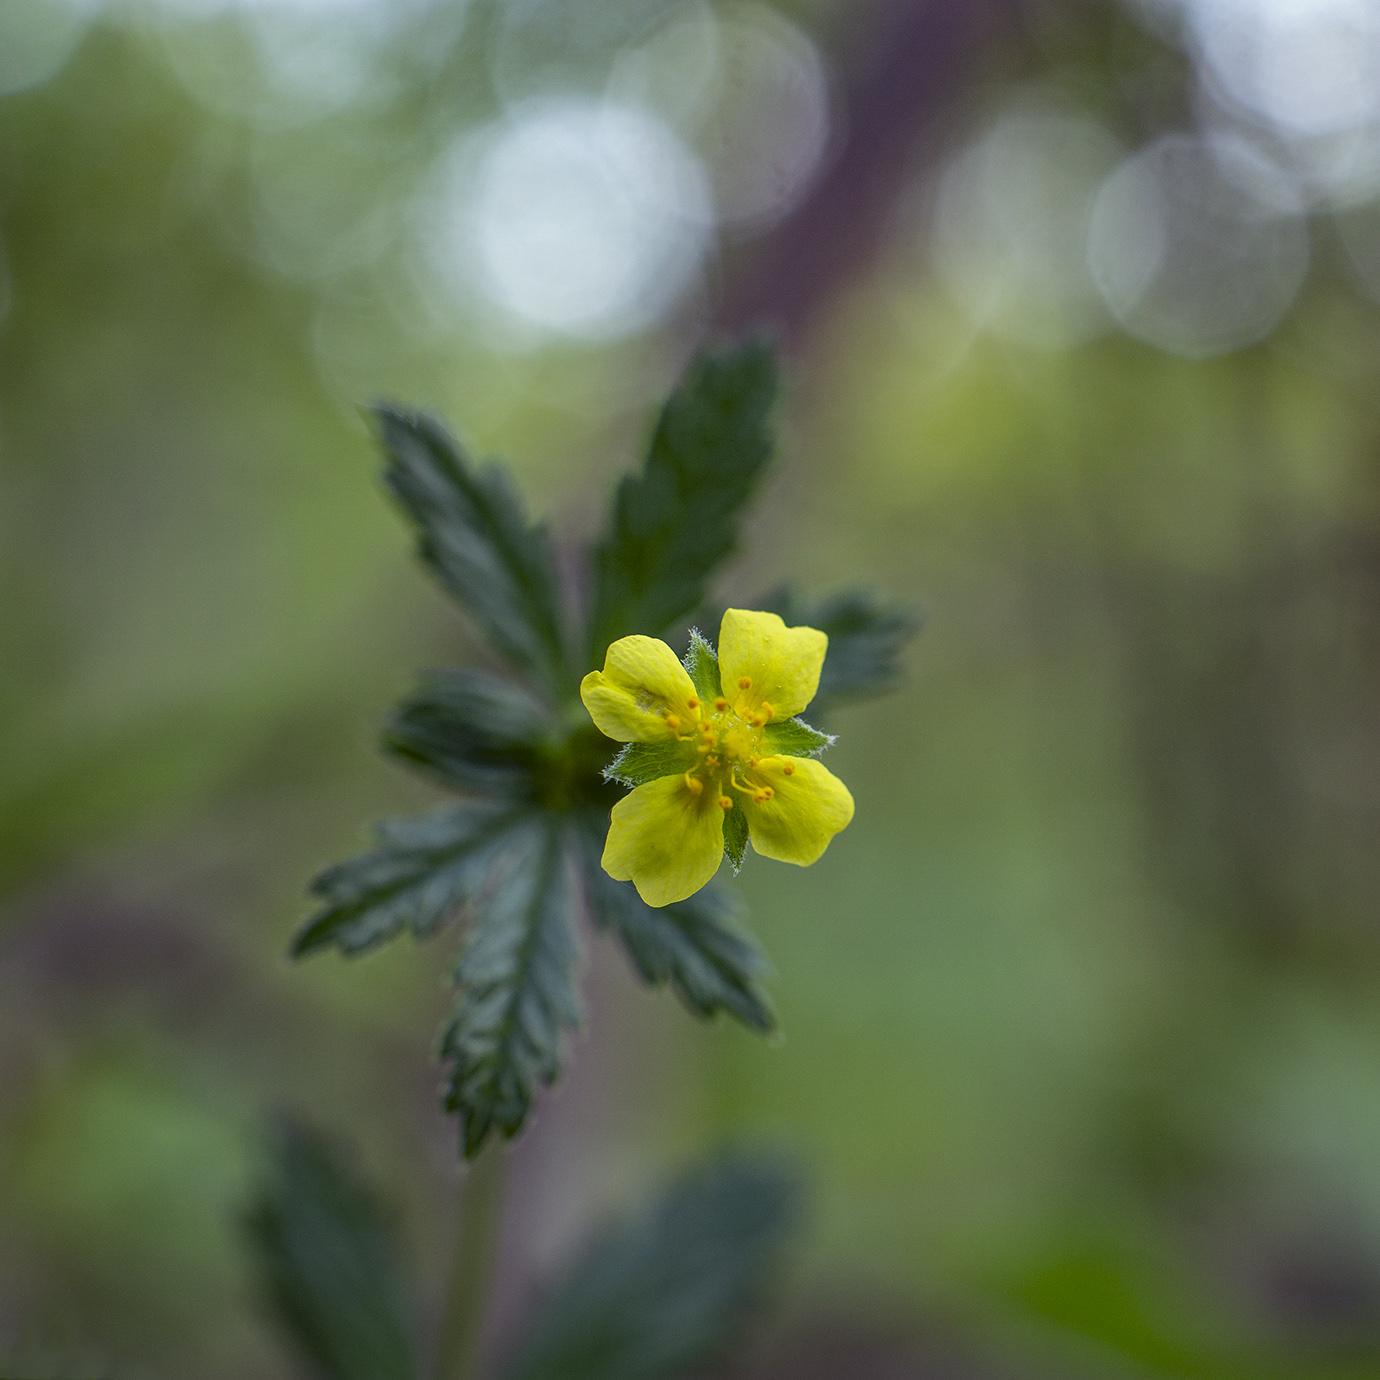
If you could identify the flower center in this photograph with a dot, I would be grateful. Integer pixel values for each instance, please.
(728, 749)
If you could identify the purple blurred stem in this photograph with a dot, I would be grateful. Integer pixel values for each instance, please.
(911, 68)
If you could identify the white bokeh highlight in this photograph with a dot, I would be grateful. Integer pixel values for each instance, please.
(577, 217)
(1187, 256)
(1011, 222)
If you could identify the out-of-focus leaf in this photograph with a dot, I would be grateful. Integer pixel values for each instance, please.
(639, 763)
(866, 637)
(679, 518)
(425, 868)
(329, 1265)
(794, 738)
(517, 994)
(669, 1292)
(473, 533)
(698, 945)
(473, 731)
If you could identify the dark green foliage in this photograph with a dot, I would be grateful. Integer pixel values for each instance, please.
(794, 738)
(677, 520)
(702, 662)
(639, 763)
(866, 637)
(698, 945)
(516, 984)
(669, 1292)
(473, 731)
(328, 1264)
(736, 835)
(424, 870)
(473, 533)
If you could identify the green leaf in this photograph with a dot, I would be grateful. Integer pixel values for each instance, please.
(702, 662)
(669, 1292)
(516, 980)
(473, 731)
(424, 870)
(328, 1263)
(639, 763)
(699, 945)
(677, 520)
(474, 535)
(736, 835)
(794, 738)
(866, 637)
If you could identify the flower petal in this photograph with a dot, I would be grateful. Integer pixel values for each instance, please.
(641, 683)
(809, 805)
(780, 664)
(666, 840)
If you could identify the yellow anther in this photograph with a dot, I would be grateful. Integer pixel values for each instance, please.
(725, 803)
(672, 722)
(753, 761)
(759, 720)
(764, 794)
(721, 704)
(745, 683)
(788, 769)
(712, 762)
(692, 703)
(694, 783)
(766, 711)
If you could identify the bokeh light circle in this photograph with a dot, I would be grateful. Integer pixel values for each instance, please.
(575, 217)
(1011, 224)
(1186, 256)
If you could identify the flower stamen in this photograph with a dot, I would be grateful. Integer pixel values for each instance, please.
(725, 803)
(694, 783)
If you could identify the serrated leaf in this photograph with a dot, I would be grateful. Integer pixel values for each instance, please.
(474, 535)
(736, 835)
(667, 1293)
(639, 763)
(424, 870)
(699, 945)
(516, 981)
(702, 662)
(794, 738)
(329, 1265)
(677, 520)
(471, 730)
(866, 637)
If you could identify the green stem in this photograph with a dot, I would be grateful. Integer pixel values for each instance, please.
(462, 1325)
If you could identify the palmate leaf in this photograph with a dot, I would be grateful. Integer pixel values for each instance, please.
(474, 535)
(425, 869)
(328, 1264)
(698, 945)
(473, 732)
(667, 1293)
(517, 994)
(866, 637)
(677, 520)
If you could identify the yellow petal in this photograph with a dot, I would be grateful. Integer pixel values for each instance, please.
(780, 664)
(809, 805)
(666, 840)
(642, 683)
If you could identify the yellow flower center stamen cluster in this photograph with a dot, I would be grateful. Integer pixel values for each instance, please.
(667, 836)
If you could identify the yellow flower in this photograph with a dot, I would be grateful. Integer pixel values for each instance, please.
(715, 754)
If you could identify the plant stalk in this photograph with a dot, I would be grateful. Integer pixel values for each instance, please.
(462, 1324)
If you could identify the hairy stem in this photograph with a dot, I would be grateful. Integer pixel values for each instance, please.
(462, 1324)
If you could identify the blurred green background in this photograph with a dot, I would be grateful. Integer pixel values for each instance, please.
(1082, 1014)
